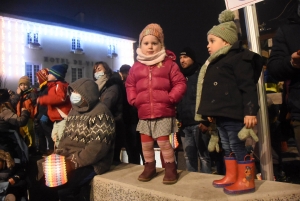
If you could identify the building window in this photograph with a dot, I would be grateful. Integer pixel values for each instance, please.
(30, 71)
(77, 73)
(76, 44)
(29, 38)
(33, 40)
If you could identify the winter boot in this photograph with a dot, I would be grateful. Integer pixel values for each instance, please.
(231, 173)
(149, 171)
(171, 175)
(245, 180)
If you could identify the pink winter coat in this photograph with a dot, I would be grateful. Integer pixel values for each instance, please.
(153, 90)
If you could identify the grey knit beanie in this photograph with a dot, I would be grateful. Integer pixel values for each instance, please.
(226, 29)
(88, 89)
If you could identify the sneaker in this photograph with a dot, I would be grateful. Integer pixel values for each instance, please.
(10, 197)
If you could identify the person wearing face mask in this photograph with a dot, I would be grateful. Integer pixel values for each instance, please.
(87, 141)
(110, 87)
(284, 65)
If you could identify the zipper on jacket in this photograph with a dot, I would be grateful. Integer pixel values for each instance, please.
(150, 91)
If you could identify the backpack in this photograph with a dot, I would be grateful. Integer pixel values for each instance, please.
(256, 61)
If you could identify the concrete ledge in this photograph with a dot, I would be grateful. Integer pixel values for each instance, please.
(121, 184)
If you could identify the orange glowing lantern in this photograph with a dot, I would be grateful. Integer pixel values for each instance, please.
(55, 170)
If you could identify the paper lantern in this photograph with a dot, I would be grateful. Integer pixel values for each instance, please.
(55, 170)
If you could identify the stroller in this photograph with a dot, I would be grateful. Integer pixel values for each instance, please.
(14, 159)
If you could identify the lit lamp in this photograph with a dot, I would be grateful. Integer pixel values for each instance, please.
(55, 170)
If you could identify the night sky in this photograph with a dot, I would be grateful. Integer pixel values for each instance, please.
(185, 23)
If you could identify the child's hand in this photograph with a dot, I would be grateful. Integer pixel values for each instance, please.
(210, 119)
(250, 121)
(202, 128)
(11, 181)
(18, 90)
(295, 59)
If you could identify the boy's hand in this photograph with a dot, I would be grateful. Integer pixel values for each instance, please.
(11, 181)
(19, 90)
(295, 59)
(210, 119)
(250, 121)
(202, 128)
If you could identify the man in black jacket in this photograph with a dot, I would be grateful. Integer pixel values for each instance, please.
(284, 65)
(193, 133)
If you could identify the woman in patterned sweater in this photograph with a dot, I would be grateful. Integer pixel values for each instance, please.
(88, 138)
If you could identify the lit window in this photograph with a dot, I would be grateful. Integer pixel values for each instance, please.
(30, 71)
(77, 73)
(32, 38)
(76, 44)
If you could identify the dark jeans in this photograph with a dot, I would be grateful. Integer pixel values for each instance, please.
(228, 130)
(195, 145)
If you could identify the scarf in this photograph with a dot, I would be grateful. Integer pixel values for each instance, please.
(213, 57)
(101, 81)
(150, 60)
(190, 70)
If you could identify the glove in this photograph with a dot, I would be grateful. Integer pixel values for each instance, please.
(44, 119)
(213, 144)
(247, 132)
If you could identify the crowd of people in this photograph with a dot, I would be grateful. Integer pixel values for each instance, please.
(89, 121)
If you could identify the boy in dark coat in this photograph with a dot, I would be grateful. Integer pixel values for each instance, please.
(227, 95)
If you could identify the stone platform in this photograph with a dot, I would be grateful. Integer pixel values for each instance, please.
(121, 184)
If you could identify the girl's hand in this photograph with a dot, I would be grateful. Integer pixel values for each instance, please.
(250, 121)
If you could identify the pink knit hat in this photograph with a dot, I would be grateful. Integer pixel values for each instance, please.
(152, 29)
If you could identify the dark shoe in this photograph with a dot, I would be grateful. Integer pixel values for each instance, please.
(10, 197)
(171, 175)
(149, 171)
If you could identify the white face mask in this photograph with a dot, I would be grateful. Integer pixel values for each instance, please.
(76, 99)
(98, 75)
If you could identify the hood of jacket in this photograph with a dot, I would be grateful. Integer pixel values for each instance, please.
(170, 55)
(88, 89)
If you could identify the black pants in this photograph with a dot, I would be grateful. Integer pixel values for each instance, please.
(133, 145)
(76, 180)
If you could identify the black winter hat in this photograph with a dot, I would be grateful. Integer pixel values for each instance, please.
(189, 52)
(125, 68)
(59, 71)
(4, 95)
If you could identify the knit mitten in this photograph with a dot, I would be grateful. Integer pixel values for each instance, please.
(247, 132)
(213, 144)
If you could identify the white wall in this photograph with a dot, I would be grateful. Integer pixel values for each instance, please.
(55, 49)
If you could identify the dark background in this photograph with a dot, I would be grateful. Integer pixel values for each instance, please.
(185, 23)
